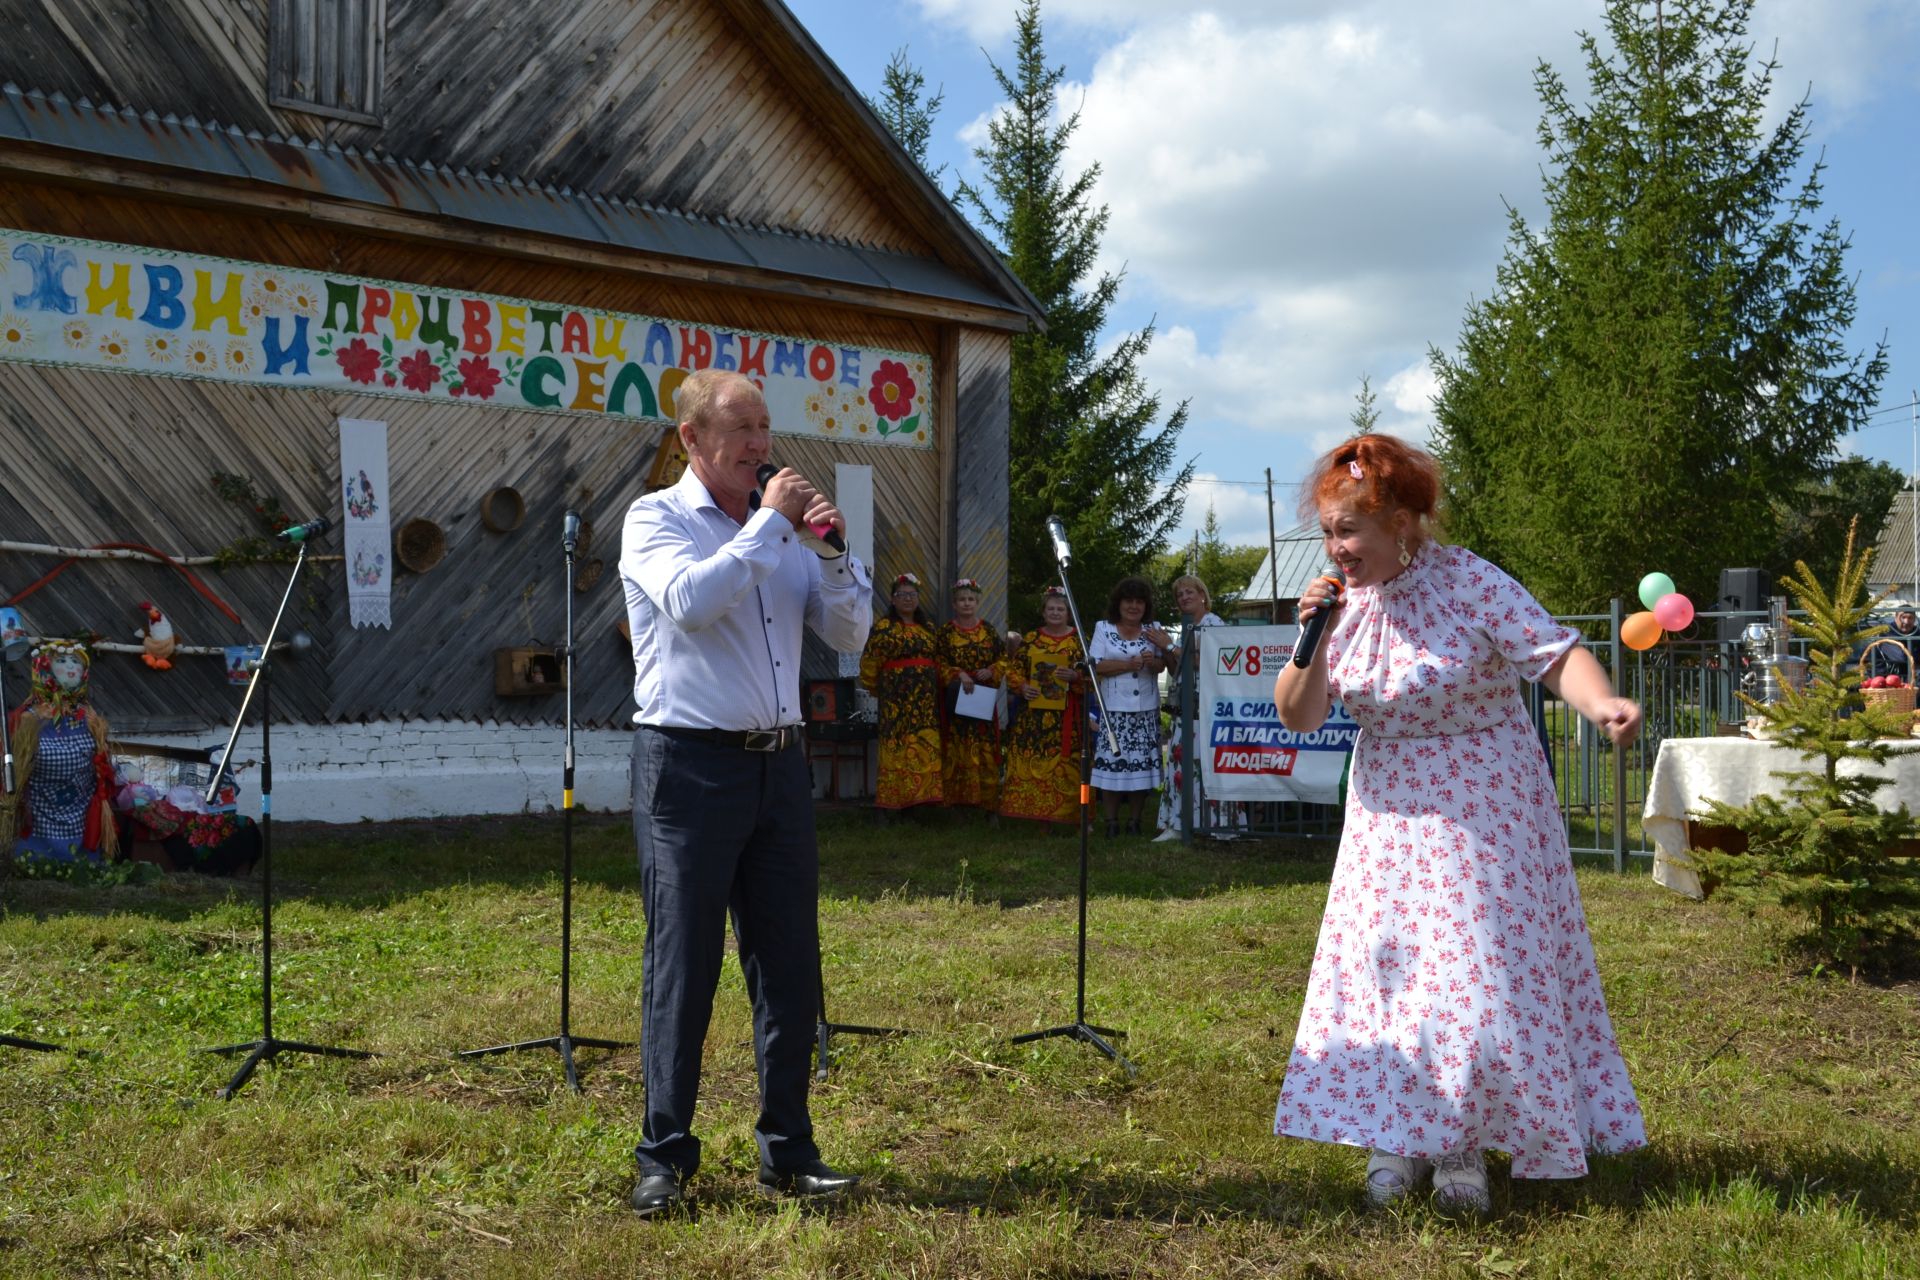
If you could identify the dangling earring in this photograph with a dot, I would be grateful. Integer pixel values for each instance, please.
(1406, 556)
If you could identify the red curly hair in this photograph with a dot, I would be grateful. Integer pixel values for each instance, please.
(1376, 473)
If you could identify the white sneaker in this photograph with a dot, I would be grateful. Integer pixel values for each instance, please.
(1460, 1185)
(1391, 1177)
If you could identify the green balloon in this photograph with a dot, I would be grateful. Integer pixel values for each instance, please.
(1654, 586)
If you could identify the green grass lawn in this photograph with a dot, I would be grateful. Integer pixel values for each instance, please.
(1781, 1104)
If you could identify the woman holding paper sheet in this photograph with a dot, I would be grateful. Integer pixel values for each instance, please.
(899, 668)
(1128, 655)
(968, 651)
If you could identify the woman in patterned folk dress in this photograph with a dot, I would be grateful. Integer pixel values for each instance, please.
(1043, 744)
(968, 651)
(899, 668)
(1453, 1006)
(1128, 658)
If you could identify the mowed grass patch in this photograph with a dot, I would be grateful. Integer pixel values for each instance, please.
(1780, 1103)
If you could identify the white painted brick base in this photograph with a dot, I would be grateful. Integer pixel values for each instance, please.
(443, 768)
(423, 769)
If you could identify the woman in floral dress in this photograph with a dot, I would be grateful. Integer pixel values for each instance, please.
(1043, 744)
(1453, 1006)
(899, 668)
(1128, 658)
(968, 651)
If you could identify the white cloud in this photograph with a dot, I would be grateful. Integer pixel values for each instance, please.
(1308, 192)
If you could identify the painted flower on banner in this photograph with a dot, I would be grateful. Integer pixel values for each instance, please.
(114, 347)
(14, 333)
(254, 311)
(892, 391)
(303, 299)
(161, 348)
(77, 333)
(358, 361)
(269, 292)
(239, 358)
(201, 357)
(478, 377)
(418, 371)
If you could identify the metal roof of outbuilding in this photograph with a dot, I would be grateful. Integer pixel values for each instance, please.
(52, 120)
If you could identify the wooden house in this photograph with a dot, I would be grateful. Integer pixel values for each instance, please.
(506, 232)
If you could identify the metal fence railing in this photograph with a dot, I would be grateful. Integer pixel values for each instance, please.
(1687, 686)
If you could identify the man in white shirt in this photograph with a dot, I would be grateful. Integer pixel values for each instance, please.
(719, 581)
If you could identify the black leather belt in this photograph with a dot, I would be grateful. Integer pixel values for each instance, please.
(739, 739)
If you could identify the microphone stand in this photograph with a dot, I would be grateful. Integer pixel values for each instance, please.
(267, 1046)
(6, 775)
(1080, 1028)
(564, 1043)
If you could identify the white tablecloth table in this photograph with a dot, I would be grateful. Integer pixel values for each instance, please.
(1689, 772)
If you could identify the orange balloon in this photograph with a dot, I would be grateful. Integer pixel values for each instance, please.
(1640, 631)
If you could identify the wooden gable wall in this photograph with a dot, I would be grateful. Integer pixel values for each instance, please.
(105, 457)
(669, 102)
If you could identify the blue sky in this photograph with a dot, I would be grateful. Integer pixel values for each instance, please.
(1303, 191)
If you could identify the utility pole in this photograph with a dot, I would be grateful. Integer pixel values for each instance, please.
(1273, 557)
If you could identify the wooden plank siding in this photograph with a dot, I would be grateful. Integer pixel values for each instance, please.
(99, 457)
(982, 365)
(669, 102)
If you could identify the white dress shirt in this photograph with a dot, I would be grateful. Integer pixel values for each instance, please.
(716, 609)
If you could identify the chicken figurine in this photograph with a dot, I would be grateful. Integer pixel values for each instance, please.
(156, 638)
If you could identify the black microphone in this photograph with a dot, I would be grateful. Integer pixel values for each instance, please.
(304, 532)
(1310, 638)
(570, 532)
(825, 532)
(1058, 532)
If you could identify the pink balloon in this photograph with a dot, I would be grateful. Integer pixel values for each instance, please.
(1673, 612)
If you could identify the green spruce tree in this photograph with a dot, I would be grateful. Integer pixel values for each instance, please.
(904, 107)
(1823, 847)
(1664, 361)
(1087, 440)
(1365, 413)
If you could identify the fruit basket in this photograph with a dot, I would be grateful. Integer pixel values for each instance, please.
(1898, 696)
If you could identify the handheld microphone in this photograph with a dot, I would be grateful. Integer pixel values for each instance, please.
(1317, 624)
(570, 532)
(304, 532)
(1058, 532)
(825, 532)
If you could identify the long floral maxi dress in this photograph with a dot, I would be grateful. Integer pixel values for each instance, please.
(899, 669)
(1043, 743)
(1454, 1001)
(971, 752)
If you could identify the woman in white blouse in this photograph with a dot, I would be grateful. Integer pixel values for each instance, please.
(1128, 659)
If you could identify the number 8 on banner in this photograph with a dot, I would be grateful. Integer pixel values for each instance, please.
(1253, 660)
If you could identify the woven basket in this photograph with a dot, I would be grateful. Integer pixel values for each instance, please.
(1896, 700)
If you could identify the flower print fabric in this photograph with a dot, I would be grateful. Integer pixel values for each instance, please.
(1453, 1001)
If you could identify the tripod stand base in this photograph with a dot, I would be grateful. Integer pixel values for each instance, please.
(1095, 1036)
(259, 1051)
(562, 1045)
(824, 1032)
(38, 1046)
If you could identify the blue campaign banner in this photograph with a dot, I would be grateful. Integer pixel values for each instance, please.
(1245, 752)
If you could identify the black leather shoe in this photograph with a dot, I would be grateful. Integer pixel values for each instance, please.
(657, 1193)
(809, 1180)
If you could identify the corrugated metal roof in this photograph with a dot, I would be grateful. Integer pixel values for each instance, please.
(54, 121)
(1893, 560)
(1301, 553)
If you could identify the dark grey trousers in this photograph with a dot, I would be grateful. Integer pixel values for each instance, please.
(723, 831)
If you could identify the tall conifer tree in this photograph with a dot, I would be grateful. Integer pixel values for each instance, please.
(1087, 442)
(1665, 361)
